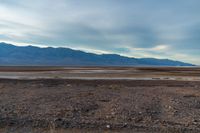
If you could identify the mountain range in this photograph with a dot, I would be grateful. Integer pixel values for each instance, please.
(36, 56)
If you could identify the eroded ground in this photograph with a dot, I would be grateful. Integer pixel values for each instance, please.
(161, 100)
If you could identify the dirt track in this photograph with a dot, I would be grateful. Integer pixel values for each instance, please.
(75, 105)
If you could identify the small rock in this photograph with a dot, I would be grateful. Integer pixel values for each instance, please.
(68, 85)
(125, 124)
(108, 126)
(113, 113)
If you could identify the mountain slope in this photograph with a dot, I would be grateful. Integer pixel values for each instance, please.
(30, 55)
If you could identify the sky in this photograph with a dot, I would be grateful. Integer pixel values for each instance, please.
(135, 28)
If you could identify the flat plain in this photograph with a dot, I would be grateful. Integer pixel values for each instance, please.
(99, 99)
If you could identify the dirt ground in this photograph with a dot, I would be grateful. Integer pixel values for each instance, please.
(62, 105)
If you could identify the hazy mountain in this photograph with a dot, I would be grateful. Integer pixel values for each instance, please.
(30, 55)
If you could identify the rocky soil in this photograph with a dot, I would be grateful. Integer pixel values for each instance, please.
(114, 105)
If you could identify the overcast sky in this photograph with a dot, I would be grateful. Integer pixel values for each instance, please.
(136, 28)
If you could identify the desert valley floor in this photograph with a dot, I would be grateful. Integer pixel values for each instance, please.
(99, 99)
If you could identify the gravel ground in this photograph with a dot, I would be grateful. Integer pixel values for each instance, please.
(74, 105)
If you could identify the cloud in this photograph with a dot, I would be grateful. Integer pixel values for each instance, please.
(161, 29)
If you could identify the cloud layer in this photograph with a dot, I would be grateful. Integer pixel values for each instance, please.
(136, 28)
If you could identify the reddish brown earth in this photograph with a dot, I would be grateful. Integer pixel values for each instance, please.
(57, 105)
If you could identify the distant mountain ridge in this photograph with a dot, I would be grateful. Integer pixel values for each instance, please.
(31, 55)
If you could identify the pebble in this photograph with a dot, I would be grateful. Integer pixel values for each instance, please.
(108, 126)
(68, 85)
